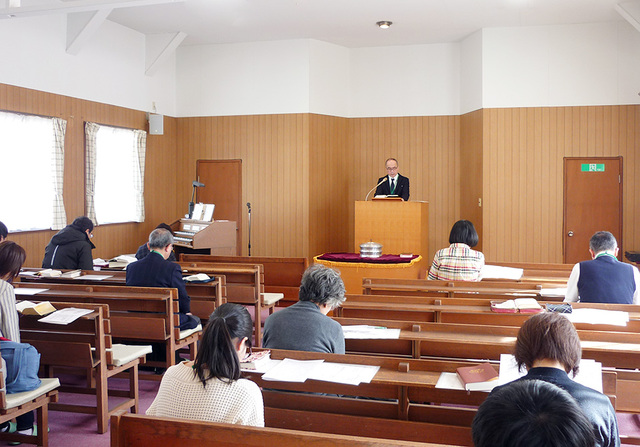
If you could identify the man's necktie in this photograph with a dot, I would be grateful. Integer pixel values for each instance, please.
(393, 186)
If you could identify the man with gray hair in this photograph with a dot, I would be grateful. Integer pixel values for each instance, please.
(604, 279)
(155, 271)
(305, 326)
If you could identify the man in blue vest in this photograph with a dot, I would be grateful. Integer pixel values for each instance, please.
(604, 279)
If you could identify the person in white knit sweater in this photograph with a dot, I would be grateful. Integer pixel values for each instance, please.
(211, 388)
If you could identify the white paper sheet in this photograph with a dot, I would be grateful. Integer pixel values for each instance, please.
(499, 272)
(370, 332)
(598, 316)
(28, 273)
(344, 373)
(557, 291)
(94, 277)
(65, 316)
(27, 291)
(290, 370)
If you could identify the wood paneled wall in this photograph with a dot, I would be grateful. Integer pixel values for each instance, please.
(471, 144)
(523, 174)
(330, 179)
(303, 172)
(110, 240)
(428, 152)
(275, 170)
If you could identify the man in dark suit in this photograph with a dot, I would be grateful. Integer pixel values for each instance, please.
(155, 271)
(396, 184)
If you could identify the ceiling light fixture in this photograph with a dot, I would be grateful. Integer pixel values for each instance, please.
(384, 24)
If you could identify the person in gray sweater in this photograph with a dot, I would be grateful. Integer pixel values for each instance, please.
(305, 326)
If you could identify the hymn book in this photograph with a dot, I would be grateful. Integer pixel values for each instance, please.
(481, 377)
(523, 305)
(254, 360)
(29, 308)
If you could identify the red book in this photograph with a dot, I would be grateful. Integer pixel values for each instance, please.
(481, 377)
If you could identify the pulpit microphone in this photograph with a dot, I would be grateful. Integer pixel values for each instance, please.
(383, 180)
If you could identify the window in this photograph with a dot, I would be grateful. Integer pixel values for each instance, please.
(115, 174)
(32, 154)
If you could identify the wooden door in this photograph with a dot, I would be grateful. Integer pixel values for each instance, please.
(592, 202)
(223, 187)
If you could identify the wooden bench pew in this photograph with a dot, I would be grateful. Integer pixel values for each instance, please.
(533, 271)
(461, 310)
(396, 431)
(617, 351)
(244, 283)
(281, 275)
(397, 392)
(129, 430)
(85, 344)
(137, 314)
(452, 289)
(205, 297)
(17, 404)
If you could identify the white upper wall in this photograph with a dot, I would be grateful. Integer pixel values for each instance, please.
(569, 65)
(413, 80)
(243, 79)
(471, 73)
(329, 75)
(108, 69)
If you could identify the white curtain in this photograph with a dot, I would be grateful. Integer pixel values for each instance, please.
(90, 131)
(59, 215)
(115, 164)
(140, 141)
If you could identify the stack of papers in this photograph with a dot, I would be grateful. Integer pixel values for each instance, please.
(499, 272)
(65, 316)
(289, 370)
(598, 316)
(364, 331)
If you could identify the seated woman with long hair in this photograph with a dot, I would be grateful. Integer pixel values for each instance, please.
(211, 388)
(458, 262)
(12, 256)
(549, 347)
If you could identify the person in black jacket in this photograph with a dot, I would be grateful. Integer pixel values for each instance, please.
(549, 347)
(395, 184)
(143, 250)
(71, 247)
(154, 270)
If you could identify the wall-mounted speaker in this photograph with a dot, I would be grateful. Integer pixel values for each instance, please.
(156, 124)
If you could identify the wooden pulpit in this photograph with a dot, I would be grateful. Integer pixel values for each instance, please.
(401, 227)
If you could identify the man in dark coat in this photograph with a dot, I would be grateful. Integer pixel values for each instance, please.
(395, 184)
(71, 247)
(155, 271)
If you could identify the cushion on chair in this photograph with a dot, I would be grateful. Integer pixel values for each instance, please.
(17, 399)
(187, 332)
(123, 354)
(270, 299)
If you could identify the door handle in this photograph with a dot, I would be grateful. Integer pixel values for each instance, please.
(570, 234)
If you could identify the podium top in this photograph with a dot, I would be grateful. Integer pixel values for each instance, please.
(396, 198)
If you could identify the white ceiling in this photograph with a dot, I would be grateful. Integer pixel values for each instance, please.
(349, 23)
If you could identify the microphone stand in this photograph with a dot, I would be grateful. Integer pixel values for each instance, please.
(249, 210)
(383, 180)
(192, 204)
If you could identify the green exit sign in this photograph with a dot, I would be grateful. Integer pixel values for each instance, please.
(592, 167)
